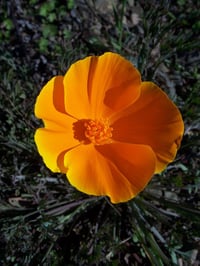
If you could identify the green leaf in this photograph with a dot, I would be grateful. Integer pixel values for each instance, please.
(43, 44)
(70, 4)
(49, 30)
(8, 24)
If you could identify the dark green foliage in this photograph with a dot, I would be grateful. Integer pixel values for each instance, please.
(43, 220)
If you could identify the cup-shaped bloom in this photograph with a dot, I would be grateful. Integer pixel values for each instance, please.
(105, 128)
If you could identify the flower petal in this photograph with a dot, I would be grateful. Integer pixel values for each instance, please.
(98, 86)
(51, 144)
(152, 120)
(119, 170)
(58, 135)
(136, 163)
(50, 105)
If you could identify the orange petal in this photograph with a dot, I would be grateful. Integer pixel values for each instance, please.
(58, 134)
(50, 105)
(98, 86)
(51, 144)
(118, 170)
(136, 163)
(152, 120)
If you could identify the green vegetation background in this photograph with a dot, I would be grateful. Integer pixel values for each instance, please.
(43, 220)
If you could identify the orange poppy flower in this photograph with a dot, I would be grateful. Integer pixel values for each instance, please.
(105, 128)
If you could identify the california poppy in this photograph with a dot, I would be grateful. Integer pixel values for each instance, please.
(105, 128)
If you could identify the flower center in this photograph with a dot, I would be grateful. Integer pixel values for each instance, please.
(98, 131)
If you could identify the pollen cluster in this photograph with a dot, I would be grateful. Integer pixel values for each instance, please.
(98, 132)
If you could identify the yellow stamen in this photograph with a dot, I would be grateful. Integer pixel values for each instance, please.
(98, 132)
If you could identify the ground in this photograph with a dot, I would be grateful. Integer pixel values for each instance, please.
(44, 221)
